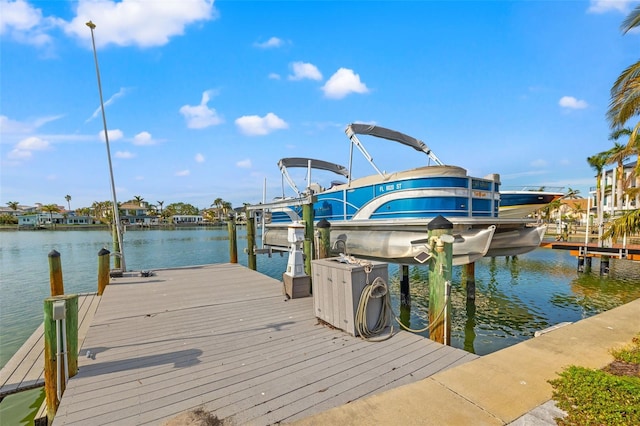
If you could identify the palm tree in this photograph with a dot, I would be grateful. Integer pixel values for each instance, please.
(618, 154)
(51, 208)
(226, 208)
(160, 203)
(68, 198)
(217, 203)
(598, 162)
(572, 194)
(13, 205)
(625, 104)
(138, 199)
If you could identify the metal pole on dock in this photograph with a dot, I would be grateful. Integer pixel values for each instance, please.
(55, 273)
(440, 266)
(233, 243)
(307, 248)
(116, 214)
(103, 269)
(251, 241)
(60, 347)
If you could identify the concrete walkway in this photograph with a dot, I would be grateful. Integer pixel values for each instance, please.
(499, 388)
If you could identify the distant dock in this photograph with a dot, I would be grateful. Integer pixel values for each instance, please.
(617, 251)
(224, 338)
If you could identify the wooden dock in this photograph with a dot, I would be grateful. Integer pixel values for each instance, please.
(25, 370)
(224, 338)
(616, 251)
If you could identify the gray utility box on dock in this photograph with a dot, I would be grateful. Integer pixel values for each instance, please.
(337, 288)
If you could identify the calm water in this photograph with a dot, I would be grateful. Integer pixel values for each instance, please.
(514, 298)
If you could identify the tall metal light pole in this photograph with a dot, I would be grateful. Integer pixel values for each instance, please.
(116, 215)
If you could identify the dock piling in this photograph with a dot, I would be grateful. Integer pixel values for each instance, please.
(604, 265)
(104, 260)
(60, 347)
(55, 273)
(251, 241)
(307, 248)
(405, 291)
(470, 281)
(324, 239)
(233, 243)
(440, 266)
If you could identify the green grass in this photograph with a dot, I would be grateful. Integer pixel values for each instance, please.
(602, 397)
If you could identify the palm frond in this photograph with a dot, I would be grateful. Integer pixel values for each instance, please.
(628, 224)
(631, 21)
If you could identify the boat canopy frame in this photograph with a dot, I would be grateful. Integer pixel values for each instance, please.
(309, 164)
(354, 129)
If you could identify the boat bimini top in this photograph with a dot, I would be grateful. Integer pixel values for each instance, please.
(354, 129)
(308, 163)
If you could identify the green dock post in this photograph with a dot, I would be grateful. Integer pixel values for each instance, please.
(233, 243)
(55, 273)
(53, 335)
(307, 248)
(440, 266)
(251, 241)
(104, 261)
(324, 239)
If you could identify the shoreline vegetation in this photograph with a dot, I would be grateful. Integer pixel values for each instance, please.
(106, 227)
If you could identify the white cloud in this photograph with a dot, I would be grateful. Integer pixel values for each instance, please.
(24, 149)
(603, 6)
(126, 155)
(25, 23)
(244, 164)
(252, 125)
(539, 163)
(114, 135)
(572, 103)
(201, 116)
(32, 144)
(13, 127)
(109, 101)
(18, 154)
(303, 70)
(271, 43)
(274, 76)
(183, 173)
(143, 138)
(199, 158)
(136, 23)
(342, 83)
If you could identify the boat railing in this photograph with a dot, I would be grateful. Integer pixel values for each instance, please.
(282, 203)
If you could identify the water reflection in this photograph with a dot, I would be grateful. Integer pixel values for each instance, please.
(517, 296)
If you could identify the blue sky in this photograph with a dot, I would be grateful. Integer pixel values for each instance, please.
(203, 98)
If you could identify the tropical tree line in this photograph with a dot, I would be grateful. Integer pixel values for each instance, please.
(102, 211)
(623, 112)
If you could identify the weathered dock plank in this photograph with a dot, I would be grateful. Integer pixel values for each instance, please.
(224, 338)
(25, 369)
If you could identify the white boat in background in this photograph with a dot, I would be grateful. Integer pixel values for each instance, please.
(385, 216)
(521, 203)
